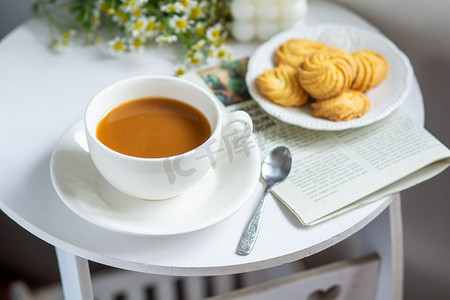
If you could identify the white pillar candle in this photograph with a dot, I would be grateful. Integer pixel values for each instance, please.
(294, 9)
(243, 31)
(262, 19)
(242, 10)
(265, 30)
(267, 11)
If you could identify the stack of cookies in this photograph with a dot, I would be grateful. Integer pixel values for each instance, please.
(334, 80)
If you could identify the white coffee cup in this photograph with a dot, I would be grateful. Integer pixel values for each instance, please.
(158, 178)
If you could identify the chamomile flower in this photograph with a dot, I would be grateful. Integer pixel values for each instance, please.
(95, 19)
(179, 24)
(200, 28)
(138, 12)
(180, 70)
(92, 38)
(120, 18)
(186, 3)
(219, 53)
(199, 45)
(175, 7)
(197, 10)
(166, 39)
(128, 5)
(61, 43)
(117, 46)
(108, 9)
(215, 34)
(195, 58)
(137, 26)
(58, 47)
(132, 5)
(152, 27)
(66, 36)
(223, 53)
(136, 45)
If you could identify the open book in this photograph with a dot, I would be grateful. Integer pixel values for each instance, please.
(333, 171)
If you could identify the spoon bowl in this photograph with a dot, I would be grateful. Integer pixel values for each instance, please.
(276, 165)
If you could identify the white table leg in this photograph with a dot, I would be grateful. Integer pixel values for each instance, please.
(75, 276)
(384, 235)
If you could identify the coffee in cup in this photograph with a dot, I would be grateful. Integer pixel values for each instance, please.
(149, 136)
(153, 127)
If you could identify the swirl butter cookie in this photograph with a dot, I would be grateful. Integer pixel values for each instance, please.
(371, 69)
(294, 51)
(327, 72)
(348, 105)
(280, 85)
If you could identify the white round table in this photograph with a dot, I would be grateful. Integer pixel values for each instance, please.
(44, 93)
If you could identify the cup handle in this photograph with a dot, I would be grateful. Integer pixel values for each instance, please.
(235, 134)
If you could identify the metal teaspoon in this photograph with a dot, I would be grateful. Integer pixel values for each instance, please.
(274, 169)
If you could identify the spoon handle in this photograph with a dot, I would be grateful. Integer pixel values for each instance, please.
(250, 233)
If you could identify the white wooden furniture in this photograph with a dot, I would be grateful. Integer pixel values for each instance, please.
(44, 93)
(344, 280)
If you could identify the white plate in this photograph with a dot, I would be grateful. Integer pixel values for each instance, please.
(384, 98)
(222, 191)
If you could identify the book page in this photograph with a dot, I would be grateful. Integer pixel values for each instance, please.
(333, 171)
(350, 165)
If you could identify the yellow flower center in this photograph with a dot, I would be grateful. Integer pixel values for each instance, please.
(121, 16)
(137, 43)
(172, 8)
(181, 24)
(95, 19)
(201, 30)
(65, 36)
(195, 60)
(111, 11)
(150, 26)
(195, 13)
(185, 3)
(129, 3)
(198, 46)
(180, 72)
(118, 46)
(138, 25)
(137, 12)
(104, 7)
(216, 33)
(221, 53)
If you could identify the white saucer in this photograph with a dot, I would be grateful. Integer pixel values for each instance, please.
(384, 98)
(222, 191)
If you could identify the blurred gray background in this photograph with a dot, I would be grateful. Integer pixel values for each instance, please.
(422, 30)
